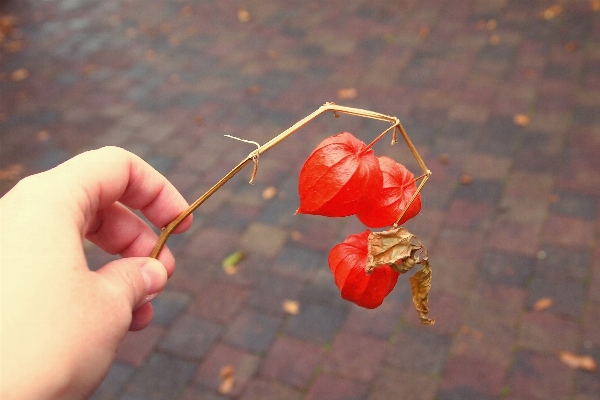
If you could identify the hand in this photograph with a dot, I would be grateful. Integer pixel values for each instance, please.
(61, 323)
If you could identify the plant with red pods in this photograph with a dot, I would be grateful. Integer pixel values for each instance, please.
(343, 177)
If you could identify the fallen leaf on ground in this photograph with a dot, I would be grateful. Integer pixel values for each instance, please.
(572, 46)
(11, 173)
(19, 75)
(269, 193)
(543, 304)
(494, 40)
(227, 375)
(424, 32)
(244, 15)
(575, 361)
(296, 236)
(187, 11)
(347, 94)
(521, 120)
(552, 12)
(291, 307)
(230, 262)
(253, 90)
(43, 136)
(595, 5)
(466, 180)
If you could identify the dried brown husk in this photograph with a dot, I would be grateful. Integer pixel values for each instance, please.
(401, 250)
(388, 247)
(421, 284)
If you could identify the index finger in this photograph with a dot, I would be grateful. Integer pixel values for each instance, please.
(98, 178)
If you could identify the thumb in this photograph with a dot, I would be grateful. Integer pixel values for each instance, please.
(136, 278)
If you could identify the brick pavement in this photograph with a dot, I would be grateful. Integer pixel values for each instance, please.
(515, 252)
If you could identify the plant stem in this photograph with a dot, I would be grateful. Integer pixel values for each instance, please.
(167, 230)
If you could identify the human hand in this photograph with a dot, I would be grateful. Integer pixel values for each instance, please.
(61, 323)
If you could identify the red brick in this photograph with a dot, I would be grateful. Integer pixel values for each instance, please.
(380, 322)
(334, 388)
(515, 236)
(591, 327)
(191, 337)
(594, 290)
(569, 231)
(445, 308)
(212, 244)
(480, 375)
(244, 366)
(546, 332)
(219, 302)
(405, 385)
(261, 390)
(137, 346)
(291, 361)
(470, 215)
(459, 244)
(540, 376)
(355, 356)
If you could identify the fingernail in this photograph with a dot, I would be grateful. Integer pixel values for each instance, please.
(155, 276)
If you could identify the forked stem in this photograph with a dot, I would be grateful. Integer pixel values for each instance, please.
(167, 230)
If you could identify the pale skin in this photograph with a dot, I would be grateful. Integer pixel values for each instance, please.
(61, 323)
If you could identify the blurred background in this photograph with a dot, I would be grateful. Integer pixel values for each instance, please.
(500, 97)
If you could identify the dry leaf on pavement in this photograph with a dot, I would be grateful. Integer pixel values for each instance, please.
(347, 94)
(575, 361)
(227, 375)
(291, 307)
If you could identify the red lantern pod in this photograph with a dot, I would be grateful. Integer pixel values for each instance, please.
(398, 188)
(347, 262)
(340, 175)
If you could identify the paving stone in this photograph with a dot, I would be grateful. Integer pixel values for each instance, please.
(514, 236)
(507, 268)
(260, 389)
(252, 331)
(297, 262)
(563, 264)
(117, 377)
(222, 356)
(136, 347)
(398, 384)
(468, 377)
(546, 332)
(162, 377)
(444, 307)
(219, 302)
(191, 337)
(568, 231)
(332, 387)
(264, 239)
(292, 361)
(316, 322)
(419, 349)
(355, 356)
(193, 393)
(212, 243)
(380, 322)
(540, 376)
(168, 306)
(568, 298)
(272, 290)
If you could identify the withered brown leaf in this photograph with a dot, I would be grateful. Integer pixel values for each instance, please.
(388, 247)
(421, 284)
